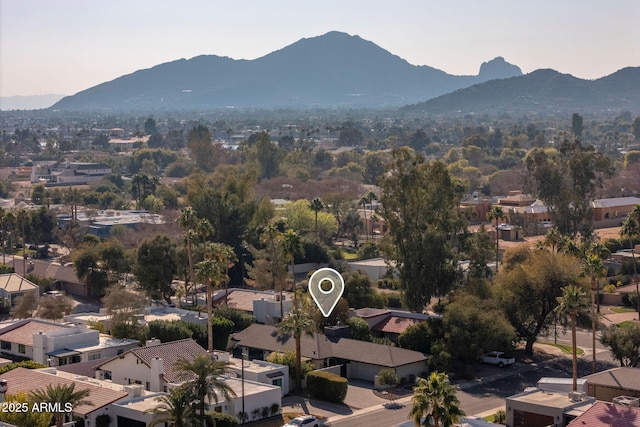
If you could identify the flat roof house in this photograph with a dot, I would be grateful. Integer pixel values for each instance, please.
(56, 344)
(541, 408)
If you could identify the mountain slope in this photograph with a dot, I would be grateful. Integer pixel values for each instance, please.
(334, 69)
(541, 91)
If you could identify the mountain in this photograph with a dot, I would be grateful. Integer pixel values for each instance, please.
(542, 91)
(332, 70)
(34, 102)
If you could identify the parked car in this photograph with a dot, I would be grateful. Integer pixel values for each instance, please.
(305, 420)
(497, 358)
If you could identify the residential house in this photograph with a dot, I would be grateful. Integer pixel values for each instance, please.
(258, 371)
(385, 323)
(612, 212)
(153, 367)
(542, 408)
(607, 385)
(604, 414)
(264, 305)
(13, 286)
(101, 395)
(100, 223)
(69, 173)
(56, 344)
(357, 359)
(375, 268)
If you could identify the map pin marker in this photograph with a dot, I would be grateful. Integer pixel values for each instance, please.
(326, 300)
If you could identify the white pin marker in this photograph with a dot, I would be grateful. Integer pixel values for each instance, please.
(326, 287)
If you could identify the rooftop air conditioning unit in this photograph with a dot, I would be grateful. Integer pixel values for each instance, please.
(576, 396)
(627, 401)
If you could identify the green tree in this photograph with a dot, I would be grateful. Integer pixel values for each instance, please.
(359, 328)
(388, 377)
(24, 418)
(528, 286)
(576, 125)
(64, 395)
(296, 323)
(175, 408)
(566, 180)
(187, 221)
(155, 267)
(623, 343)
(289, 359)
(594, 269)
(267, 155)
(572, 303)
(474, 326)
(54, 307)
(435, 399)
(203, 377)
(352, 227)
(419, 203)
(359, 292)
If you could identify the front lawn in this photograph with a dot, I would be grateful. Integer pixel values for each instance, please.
(567, 349)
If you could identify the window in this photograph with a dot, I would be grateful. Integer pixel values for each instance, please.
(147, 386)
(5, 345)
(21, 349)
(119, 352)
(94, 356)
(107, 375)
(277, 382)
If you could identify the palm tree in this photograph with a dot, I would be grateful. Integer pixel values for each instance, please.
(496, 213)
(208, 271)
(553, 238)
(435, 399)
(291, 246)
(175, 408)
(573, 302)
(595, 269)
(203, 377)
(316, 206)
(187, 221)
(631, 229)
(226, 257)
(367, 199)
(273, 236)
(62, 394)
(2, 232)
(297, 322)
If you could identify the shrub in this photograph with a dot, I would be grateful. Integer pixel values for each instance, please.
(240, 319)
(217, 419)
(327, 386)
(29, 364)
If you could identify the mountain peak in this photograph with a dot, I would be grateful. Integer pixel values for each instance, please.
(498, 68)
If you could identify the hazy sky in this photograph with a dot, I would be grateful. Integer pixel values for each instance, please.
(65, 46)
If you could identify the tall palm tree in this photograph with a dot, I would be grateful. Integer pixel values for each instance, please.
(297, 322)
(573, 302)
(187, 221)
(435, 399)
(496, 213)
(175, 408)
(291, 246)
(208, 271)
(631, 230)
(202, 375)
(2, 232)
(63, 394)
(272, 236)
(595, 269)
(316, 206)
(23, 219)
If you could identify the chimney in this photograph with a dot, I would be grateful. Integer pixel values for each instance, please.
(153, 341)
(157, 373)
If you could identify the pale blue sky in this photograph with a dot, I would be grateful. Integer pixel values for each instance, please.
(65, 46)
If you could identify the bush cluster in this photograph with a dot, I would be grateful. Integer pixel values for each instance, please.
(327, 386)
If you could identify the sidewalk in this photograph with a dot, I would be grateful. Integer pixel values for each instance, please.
(611, 318)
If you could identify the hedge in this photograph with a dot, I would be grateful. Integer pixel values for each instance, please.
(327, 386)
(217, 419)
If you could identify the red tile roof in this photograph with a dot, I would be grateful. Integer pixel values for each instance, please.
(28, 380)
(604, 414)
(394, 324)
(169, 352)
